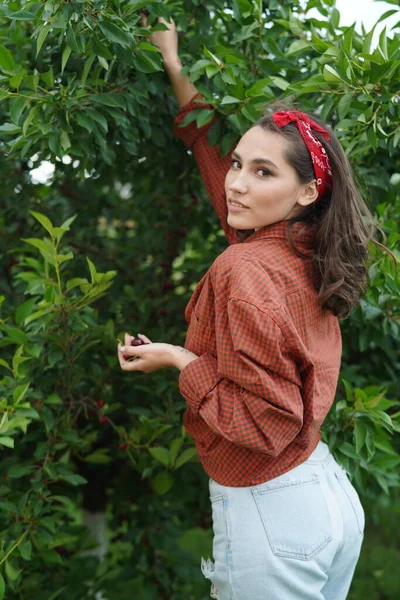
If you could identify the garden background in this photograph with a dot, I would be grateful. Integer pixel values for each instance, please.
(117, 240)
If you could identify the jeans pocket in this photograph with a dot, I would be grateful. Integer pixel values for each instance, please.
(295, 517)
(353, 498)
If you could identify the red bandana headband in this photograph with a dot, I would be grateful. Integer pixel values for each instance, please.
(319, 157)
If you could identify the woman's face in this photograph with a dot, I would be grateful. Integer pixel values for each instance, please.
(262, 180)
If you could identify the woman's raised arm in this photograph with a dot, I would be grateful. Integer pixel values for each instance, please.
(213, 167)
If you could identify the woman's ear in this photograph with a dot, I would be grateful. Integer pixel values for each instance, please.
(308, 193)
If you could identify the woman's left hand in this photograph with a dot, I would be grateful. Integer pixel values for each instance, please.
(148, 357)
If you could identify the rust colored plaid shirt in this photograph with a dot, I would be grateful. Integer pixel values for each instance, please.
(269, 355)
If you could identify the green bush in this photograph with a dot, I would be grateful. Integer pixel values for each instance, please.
(118, 241)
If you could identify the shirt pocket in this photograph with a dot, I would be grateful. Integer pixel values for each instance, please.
(200, 333)
(295, 517)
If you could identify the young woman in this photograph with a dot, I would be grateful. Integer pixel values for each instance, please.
(262, 355)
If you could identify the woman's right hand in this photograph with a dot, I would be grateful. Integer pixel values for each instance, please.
(167, 41)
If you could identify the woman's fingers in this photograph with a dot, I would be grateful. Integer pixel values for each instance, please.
(128, 339)
(143, 17)
(144, 338)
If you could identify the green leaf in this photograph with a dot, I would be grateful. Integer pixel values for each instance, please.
(162, 483)
(18, 471)
(43, 220)
(68, 222)
(176, 445)
(16, 80)
(111, 99)
(98, 117)
(41, 37)
(7, 63)
(368, 40)
(31, 115)
(212, 56)
(24, 310)
(214, 132)
(344, 105)
(383, 43)
(72, 40)
(280, 83)
(25, 549)
(160, 454)
(64, 140)
(4, 423)
(16, 335)
(186, 455)
(17, 106)
(2, 587)
(335, 18)
(86, 69)
(53, 399)
(9, 128)
(92, 269)
(298, 46)
(204, 117)
(36, 315)
(44, 246)
(331, 75)
(64, 58)
(3, 363)
(229, 100)
(51, 557)
(150, 47)
(360, 432)
(146, 62)
(103, 62)
(115, 34)
(75, 282)
(295, 25)
(20, 392)
(11, 572)
(190, 117)
(99, 457)
(48, 77)
(84, 121)
(21, 15)
(74, 479)
(7, 441)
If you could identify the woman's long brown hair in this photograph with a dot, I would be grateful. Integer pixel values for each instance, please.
(342, 223)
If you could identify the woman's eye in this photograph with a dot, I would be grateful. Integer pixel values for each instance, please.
(265, 171)
(233, 161)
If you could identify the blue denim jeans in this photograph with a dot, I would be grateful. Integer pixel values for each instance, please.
(296, 537)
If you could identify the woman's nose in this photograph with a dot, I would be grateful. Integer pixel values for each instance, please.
(238, 185)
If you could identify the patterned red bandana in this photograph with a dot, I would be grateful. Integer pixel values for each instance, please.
(319, 157)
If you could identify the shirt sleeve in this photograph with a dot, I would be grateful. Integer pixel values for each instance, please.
(212, 166)
(251, 393)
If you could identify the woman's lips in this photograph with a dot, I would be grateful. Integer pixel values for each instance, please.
(234, 208)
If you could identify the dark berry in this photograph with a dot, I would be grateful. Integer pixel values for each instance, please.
(100, 403)
(168, 285)
(103, 420)
(123, 446)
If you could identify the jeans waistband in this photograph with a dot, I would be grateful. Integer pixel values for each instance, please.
(320, 455)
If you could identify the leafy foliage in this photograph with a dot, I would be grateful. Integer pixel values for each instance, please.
(81, 86)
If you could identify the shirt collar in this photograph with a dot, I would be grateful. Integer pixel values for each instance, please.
(302, 232)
